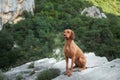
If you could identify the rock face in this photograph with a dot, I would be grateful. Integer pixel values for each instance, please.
(93, 12)
(98, 69)
(107, 71)
(10, 10)
(26, 72)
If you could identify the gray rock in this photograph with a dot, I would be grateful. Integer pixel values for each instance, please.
(94, 61)
(107, 71)
(10, 10)
(98, 69)
(93, 12)
(30, 73)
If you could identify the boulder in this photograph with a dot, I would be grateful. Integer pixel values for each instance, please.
(94, 12)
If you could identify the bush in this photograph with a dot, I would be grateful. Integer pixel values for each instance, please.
(2, 77)
(48, 74)
(31, 65)
(6, 44)
(38, 35)
(33, 72)
(6, 41)
(20, 77)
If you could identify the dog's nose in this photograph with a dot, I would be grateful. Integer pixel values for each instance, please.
(64, 35)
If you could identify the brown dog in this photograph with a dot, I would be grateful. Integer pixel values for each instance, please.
(71, 50)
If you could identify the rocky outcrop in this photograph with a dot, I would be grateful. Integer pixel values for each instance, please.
(98, 69)
(93, 12)
(30, 70)
(10, 10)
(106, 71)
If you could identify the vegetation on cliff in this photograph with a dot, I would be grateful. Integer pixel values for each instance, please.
(37, 36)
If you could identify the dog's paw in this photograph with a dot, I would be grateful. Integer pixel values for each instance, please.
(66, 73)
(79, 70)
(69, 73)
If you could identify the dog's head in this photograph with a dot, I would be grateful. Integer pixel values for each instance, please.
(69, 34)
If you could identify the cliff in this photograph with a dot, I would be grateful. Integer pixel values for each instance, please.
(10, 10)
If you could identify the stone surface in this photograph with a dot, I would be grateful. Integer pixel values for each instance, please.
(98, 69)
(93, 12)
(25, 71)
(94, 61)
(107, 71)
(10, 10)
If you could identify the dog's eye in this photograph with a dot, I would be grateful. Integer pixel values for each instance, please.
(68, 32)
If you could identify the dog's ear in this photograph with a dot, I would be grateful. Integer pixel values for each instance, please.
(72, 36)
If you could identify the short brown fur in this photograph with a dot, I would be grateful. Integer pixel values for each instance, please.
(72, 51)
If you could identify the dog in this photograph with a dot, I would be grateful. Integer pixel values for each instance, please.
(72, 51)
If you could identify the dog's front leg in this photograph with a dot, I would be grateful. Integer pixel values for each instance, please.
(66, 72)
(71, 68)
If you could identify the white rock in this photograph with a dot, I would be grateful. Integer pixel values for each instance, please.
(98, 69)
(94, 61)
(93, 12)
(24, 71)
(107, 71)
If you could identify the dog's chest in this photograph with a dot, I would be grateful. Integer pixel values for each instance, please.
(68, 51)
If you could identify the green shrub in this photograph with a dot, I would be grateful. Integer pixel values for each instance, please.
(38, 35)
(33, 72)
(31, 65)
(2, 77)
(48, 74)
(6, 44)
(20, 77)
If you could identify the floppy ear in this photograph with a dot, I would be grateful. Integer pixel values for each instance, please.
(72, 36)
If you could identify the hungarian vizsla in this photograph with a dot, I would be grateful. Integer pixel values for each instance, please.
(72, 51)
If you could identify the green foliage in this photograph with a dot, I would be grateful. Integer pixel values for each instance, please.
(20, 77)
(6, 41)
(108, 6)
(48, 74)
(33, 72)
(27, 14)
(6, 44)
(2, 77)
(31, 65)
(38, 35)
